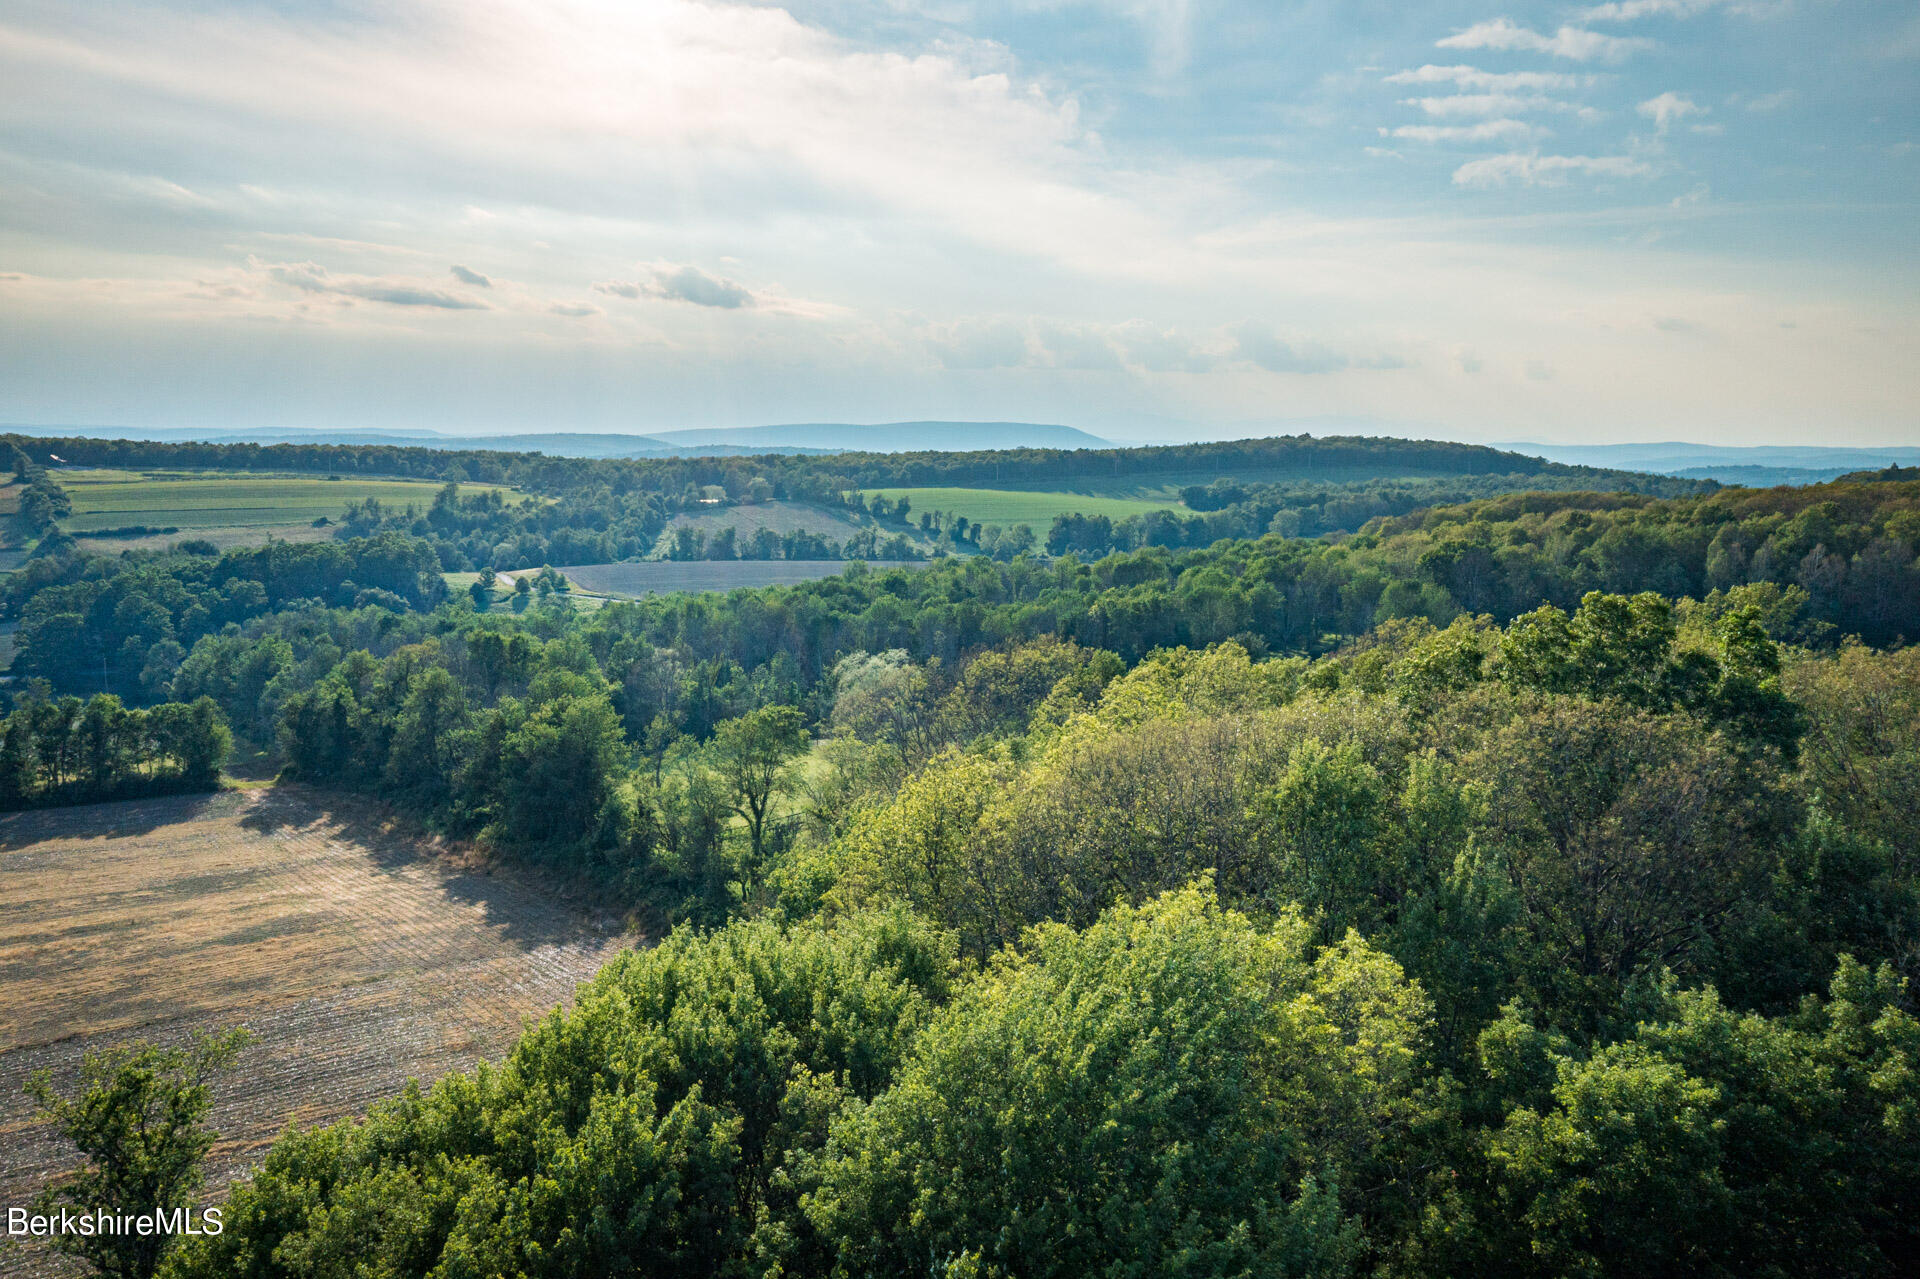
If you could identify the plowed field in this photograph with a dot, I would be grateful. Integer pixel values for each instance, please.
(359, 959)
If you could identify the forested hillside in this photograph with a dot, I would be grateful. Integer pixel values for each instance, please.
(1519, 887)
(1578, 945)
(601, 510)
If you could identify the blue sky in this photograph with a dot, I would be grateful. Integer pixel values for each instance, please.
(1639, 219)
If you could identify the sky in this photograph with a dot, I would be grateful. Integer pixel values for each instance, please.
(1151, 219)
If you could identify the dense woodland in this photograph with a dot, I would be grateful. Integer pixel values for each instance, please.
(1520, 887)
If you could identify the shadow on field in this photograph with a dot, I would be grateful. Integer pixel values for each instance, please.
(525, 914)
(121, 819)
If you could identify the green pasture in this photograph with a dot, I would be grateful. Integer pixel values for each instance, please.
(211, 499)
(1018, 506)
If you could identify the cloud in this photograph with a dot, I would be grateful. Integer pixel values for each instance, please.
(1674, 324)
(1529, 169)
(681, 283)
(1078, 347)
(1485, 131)
(1667, 108)
(691, 284)
(576, 310)
(1568, 42)
(409, 295)
(1539, 371)
(1632, 10)
(978, 344)
(1157, 350)
(1494, 81)
(474, 278)
(1460, 104)
(311, 277)
(1259, 344)
(1764, 102)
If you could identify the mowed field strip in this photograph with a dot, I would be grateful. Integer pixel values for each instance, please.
(358, 959)
(215, 499)
(638, 578)
(1018, 506)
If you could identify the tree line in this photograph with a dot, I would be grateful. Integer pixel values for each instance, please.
(68, 751)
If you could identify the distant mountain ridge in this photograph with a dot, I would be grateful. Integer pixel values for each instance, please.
(893, 437)
(802, 437)
(1756, 466)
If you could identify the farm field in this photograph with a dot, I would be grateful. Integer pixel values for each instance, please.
(222, 536)
(746, 519)
(1017, 506)
(358, 958)
(660, 577)
(222, 499)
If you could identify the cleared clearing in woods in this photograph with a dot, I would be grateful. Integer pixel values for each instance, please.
(360, 958)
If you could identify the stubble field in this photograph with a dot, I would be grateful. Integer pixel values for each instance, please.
(638, 578)
(1035, 507)
(358, 957)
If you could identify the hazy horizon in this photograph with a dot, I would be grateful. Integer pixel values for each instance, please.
(1644, 220)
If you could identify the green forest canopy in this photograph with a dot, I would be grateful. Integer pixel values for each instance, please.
(1523, 886)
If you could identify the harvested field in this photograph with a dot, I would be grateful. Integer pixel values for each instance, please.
(748, 518)
(224, 537)
(1032, 507)
(192, 500)
(659, 577)
(358, 958)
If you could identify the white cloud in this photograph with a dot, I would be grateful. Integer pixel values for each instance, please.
(1493, 81)
(1077, 346)
(311, 277)
(1568, 42)
(586, 105)
(557, 141)
(1667, 108)
(1765, 102)
(1485, 131)
(691, 284)
(1528, 169)
(684, 282)
(1469, 104)
(1631, 10)
(978, 344)
(1259, 345)
(1159, 350)
(466, 276)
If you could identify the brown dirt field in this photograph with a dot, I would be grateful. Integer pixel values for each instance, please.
(359, 958)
